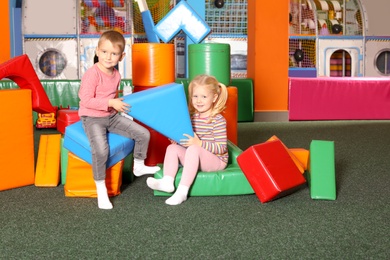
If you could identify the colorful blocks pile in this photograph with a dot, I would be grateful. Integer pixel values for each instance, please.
(270, 170)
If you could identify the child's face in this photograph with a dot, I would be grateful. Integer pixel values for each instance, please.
(202, 99)
(109, 55)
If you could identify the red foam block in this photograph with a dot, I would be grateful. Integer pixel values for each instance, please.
(20, 70)
(66, 117)
(270, 170)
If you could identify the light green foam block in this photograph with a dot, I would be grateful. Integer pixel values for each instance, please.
(64, 162)
(322, 176)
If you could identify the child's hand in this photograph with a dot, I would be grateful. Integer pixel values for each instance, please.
(119, 105)
(190, 141)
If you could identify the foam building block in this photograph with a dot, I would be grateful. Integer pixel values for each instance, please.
(47, 171)
(80, 183)
(270, 170)
(147, 20)
(76, 141)
(148, 26)
(231, 114)
(66, 117)
(322, 173)
(16, 139)
(21, 71)
(230, 181)
(293, 157)
(302, 155)
(182, 18)
(163, 108)
(64, 161)
(245, 99)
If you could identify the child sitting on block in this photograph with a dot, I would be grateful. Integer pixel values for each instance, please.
(207, 150)
(99, 107)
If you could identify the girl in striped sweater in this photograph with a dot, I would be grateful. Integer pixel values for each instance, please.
(207, 150)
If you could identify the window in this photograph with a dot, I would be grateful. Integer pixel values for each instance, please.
(382, 62)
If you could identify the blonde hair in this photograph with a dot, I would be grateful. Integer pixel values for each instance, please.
(116, 38)
(215, 87)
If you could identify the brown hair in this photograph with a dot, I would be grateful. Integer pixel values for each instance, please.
(116, 38)
(215, 87)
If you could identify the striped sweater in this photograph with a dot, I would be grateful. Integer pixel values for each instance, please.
(212, 134)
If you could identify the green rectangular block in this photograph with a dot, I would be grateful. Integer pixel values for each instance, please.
(322, 176)
(64, 162)
(245, 99)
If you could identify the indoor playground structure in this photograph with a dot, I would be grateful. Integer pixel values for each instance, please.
(64, 156)
(168, 44)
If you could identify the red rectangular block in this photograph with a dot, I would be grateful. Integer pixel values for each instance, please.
(66, 117)
(270, 170)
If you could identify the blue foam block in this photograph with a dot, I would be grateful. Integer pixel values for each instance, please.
(182, 18)
(76, 141)
(163, 108)
(148, 26)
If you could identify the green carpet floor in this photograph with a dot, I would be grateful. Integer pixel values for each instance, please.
(41, 223)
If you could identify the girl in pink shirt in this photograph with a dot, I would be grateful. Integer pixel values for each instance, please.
(99, 107)
(207, 150)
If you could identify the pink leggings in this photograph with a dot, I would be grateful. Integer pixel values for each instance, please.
(193, 158)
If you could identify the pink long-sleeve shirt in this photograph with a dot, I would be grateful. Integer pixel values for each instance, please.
(96, 89)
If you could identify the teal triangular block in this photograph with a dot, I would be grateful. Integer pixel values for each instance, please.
(163, 108)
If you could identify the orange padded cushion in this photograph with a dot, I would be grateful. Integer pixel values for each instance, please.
(231, 114)
(79, 178)
(16, 139)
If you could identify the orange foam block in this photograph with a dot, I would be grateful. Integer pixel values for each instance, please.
(79, 178)
(16, 139)
(297, 162)
(302, 155)
(47, 171)
(270, 170)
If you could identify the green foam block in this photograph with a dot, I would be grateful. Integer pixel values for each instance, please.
(230, 181)
(322, 177)
(64, 162)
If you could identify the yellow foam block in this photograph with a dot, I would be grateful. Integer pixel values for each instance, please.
(16, 139)
(293, 157)
(302, 155)
(47, 171)
(79, 178)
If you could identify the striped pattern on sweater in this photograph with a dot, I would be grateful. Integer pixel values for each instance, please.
(212, 134)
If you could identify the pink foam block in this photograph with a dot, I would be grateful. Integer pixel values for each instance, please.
(270, 170)
(339, 98)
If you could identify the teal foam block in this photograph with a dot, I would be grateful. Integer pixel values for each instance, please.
(163, 108)
(76, 142)
(322, 177)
